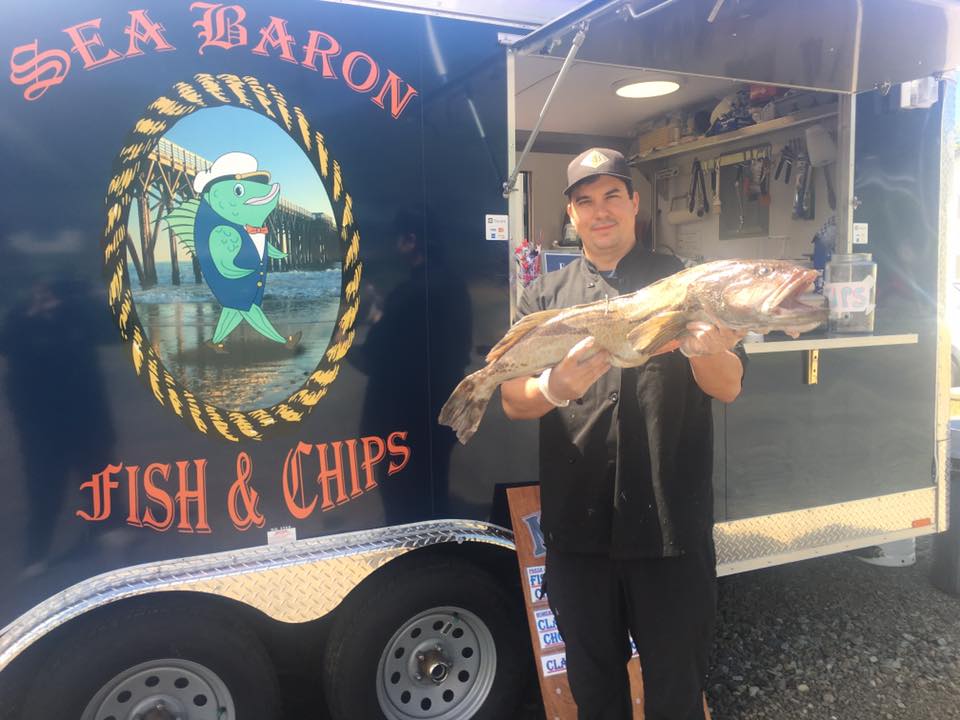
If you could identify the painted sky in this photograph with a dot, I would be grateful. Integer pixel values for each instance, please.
(212, 132)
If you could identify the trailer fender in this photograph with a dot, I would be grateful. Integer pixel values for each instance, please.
(293, 582)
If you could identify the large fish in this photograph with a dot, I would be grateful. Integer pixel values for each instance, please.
(746, 295)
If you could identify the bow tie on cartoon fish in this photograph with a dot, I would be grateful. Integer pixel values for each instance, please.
(224, 227)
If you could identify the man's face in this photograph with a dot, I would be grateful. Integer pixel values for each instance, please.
(604, 216)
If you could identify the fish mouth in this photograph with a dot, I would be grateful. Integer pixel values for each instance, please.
(274, 189)
(786, 299)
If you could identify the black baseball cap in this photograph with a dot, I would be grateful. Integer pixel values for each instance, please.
(596, 161)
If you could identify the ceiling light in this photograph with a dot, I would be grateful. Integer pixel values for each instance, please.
(646, 88)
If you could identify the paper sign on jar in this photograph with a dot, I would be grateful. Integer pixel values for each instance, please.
(850, 297)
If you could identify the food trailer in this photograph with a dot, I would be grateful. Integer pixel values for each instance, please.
(252, 248)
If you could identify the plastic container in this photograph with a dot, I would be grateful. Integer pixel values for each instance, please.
(850, 286)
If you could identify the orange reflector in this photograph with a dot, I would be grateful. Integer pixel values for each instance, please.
(922, 522)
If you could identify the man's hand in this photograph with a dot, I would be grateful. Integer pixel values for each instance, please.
(703, 339)
(523, 399)
(707, 339)
(581, 368)
(716, 370)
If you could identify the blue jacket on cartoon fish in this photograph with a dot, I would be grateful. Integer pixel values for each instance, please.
(238, 293)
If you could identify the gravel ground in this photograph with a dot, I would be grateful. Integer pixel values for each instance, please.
(838, 639)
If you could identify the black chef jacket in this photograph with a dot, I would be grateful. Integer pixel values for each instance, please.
(627, 469)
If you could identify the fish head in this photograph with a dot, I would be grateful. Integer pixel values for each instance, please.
(759, 296)
(243, 201)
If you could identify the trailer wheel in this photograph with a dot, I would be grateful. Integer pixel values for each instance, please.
(437, 641)
(161, 663)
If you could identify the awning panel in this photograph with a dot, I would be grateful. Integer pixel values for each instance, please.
(833, 45)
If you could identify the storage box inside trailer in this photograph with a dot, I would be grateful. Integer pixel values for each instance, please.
(837, 439)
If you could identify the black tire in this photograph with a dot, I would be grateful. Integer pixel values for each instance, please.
(184, 641)
(368, 623)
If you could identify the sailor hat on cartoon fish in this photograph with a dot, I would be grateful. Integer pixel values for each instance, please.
(233, 165)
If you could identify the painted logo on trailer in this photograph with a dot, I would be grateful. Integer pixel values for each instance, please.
(232, 254)
(232, 262)
(230, 286)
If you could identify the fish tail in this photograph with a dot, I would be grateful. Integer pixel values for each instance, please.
(464, 409)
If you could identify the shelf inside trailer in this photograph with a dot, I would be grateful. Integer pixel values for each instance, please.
(802, 117)
(829, 342)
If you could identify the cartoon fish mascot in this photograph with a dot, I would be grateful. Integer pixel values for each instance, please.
(224, 226)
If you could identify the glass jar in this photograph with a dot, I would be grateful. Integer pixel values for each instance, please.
(850, 286)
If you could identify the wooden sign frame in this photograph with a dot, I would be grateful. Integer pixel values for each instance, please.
(548, 648)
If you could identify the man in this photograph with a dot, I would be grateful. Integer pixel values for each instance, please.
(625, 471)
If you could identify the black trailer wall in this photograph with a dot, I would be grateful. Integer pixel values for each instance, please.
(103, 468)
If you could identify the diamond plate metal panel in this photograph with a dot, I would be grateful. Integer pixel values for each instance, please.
(306, 579)
(299, 592)
(292, 582)
(784, 537)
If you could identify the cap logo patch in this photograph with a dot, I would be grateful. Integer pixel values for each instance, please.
(594, 160)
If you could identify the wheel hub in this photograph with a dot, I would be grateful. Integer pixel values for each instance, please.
(439, 665)
(169, 689)
(160, 709)
(433, 665)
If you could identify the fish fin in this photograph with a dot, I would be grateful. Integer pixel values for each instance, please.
(520, 329)
(180, 222)
(646, 337)
(464, 409)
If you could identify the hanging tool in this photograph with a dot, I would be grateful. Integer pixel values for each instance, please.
(698, 190)
(799, 185)
(753, 179)
(765, 182)
(658, 177)
(808, 194)
(738, 186)
(716, 186)
(803, 187)
(823, 153)
(786, 162)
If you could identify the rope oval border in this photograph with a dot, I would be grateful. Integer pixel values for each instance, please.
(182, 99)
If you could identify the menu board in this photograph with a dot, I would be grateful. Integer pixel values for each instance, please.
(548, 647)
